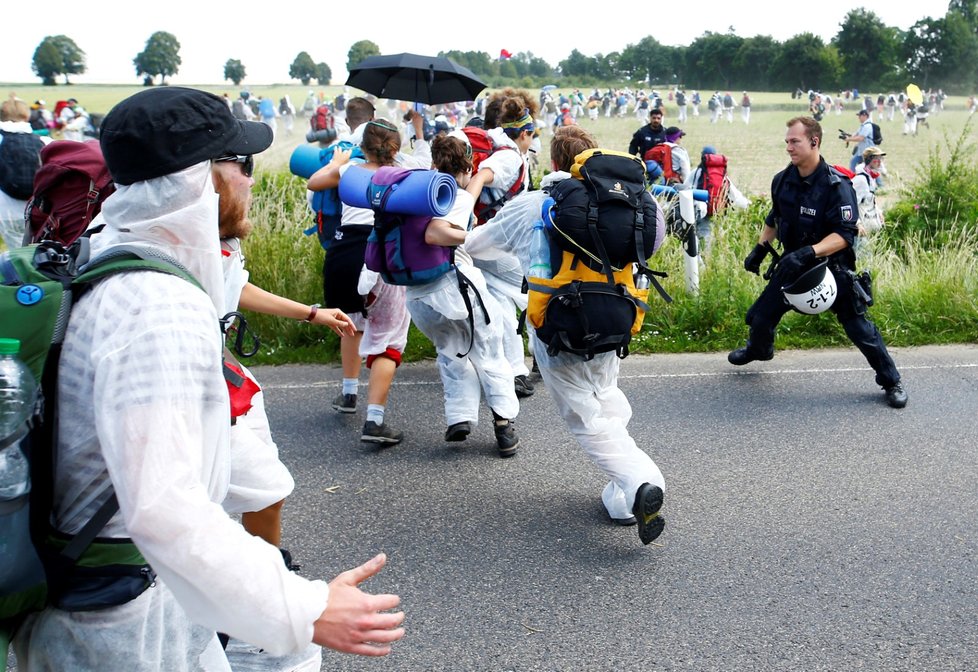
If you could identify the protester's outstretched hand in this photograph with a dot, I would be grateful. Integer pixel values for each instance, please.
(337, 320)
(355, 621)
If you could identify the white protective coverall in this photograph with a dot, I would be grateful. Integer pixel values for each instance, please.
(143, 409)
(586, 392)
(503, 274)
(258, 477)
(438, 310)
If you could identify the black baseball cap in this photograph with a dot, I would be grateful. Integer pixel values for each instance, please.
(163, 130)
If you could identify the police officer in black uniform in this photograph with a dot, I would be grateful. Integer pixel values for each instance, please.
(650, 135)
(814, 215)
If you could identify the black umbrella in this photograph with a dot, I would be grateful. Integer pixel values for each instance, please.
(414, 78)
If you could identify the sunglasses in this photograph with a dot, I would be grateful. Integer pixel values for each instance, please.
(247, 162)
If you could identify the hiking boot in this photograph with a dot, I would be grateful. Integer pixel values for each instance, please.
(345, 403)
(648, 501)
(506, 439)
(896, 396)
(524, 388)
(458, 432)
(742, 356)
(625, 522)
(381, 434)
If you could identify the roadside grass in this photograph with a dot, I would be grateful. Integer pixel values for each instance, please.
(924, 262)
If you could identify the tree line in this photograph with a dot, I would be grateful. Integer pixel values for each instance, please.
(865, 53)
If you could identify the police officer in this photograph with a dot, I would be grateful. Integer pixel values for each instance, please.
(814, 215)
(650, 135)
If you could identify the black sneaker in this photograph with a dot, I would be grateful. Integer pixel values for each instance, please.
(524, 388)
(345, 403)
(382, 434)
(506, 440)
(648, 501)
(742, 356)
(896, 396)
(458, 432)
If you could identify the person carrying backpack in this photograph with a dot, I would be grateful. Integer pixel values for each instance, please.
(462, 319)
(585, 391)
(376, 307)
(20, 159)
(711, 175)
(862, 138)
(144, 420)
(500, 178)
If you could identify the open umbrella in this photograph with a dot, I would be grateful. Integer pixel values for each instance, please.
(549, 87)
(420, 79)
(915, 94)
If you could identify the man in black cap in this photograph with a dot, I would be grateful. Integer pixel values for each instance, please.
(862, 138)
(144, 418)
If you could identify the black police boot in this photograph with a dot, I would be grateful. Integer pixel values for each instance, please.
(896, 396)
(746, 355)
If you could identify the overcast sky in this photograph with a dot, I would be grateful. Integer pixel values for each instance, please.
(266, 40)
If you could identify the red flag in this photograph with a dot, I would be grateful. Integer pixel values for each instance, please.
(504, 55)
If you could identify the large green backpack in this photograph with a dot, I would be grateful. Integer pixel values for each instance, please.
(38, 285)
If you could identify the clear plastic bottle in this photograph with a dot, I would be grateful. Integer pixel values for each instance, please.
(18, 394)
(539, 252)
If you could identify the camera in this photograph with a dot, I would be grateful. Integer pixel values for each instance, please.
(843, 135)
(324, 136)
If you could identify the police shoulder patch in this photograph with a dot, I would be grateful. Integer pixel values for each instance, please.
(847, 213)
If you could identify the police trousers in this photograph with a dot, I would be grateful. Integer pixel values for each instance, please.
(763, 318)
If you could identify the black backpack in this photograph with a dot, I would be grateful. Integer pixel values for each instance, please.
(20, 158)
(605, 216)
(599, 225)
(877, 134)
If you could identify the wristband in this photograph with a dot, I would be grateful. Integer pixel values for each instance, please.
(313, 309)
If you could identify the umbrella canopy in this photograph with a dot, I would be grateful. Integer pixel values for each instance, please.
(420, 79)
(915, 94)
(549, 87)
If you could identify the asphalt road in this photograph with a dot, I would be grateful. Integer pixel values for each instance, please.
(810, 526)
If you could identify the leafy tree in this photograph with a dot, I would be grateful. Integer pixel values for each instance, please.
(711, 59)
(959, 65)
(234, 70)
(752, 62)
(479, 62)
(868, 48)
(922, 49)
(968, 9)
(47, 62)
(577, 65)
(323, 74)
(647, 60)
(805, 61)
(359, 51)
(303, 68)
(160, 57)
(58, 55)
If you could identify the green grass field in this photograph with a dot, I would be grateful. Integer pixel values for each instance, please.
(926, 293)
(756, 151)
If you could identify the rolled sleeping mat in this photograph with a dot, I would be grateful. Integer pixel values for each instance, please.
(701, 195)
(306, 160)
(413, 192)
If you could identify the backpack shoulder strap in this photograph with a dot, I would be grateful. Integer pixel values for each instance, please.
(131, 258)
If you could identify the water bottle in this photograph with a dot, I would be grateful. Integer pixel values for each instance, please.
(18, 394)
(641, 279)
(539, 252)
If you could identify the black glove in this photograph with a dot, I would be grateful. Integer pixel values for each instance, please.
(793, 264)
(753, 261)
